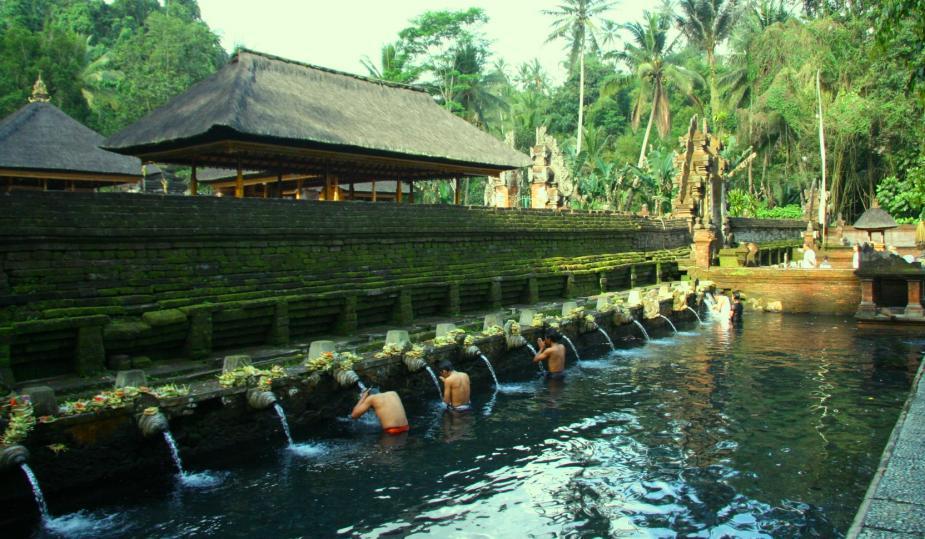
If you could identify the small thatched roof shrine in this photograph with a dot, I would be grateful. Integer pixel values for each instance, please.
(296, 120)
(874, 219)
(41, 148)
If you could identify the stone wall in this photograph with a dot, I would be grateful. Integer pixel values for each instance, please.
(766, 230)
(816, 291)
(88, 277)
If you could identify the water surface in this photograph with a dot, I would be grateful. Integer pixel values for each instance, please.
(770, 430)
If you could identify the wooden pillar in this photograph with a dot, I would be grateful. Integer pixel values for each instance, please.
(279, 185)
(335, 188)
(298, 190)
(44, 185)
(398, 191)
(266, 189)
(193, 183)
(456, 197)
(374, 190)
(411, 192)
(914, 301)
(239, 182)
(352, 193)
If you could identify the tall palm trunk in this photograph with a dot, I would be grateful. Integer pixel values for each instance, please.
(645, 139)
(581, 97)
(714, 91)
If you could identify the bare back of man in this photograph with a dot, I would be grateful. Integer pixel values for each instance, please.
(456, 389)
(387, 407)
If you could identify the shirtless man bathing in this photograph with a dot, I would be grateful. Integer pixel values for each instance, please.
(387, 407)
(455, 388)
(553, 352)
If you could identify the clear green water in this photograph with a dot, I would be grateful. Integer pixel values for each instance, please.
(771, 430)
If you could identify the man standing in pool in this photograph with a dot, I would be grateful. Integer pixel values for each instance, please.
(553, 352)
(387, 407)
(455, 388)
(736, 310)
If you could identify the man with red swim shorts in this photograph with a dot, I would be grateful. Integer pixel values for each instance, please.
(387, 407)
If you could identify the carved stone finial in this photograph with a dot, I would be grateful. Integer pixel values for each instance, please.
(39, 91)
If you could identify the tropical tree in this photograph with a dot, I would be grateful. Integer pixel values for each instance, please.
(648, 56)
(576, 22)
(706, 24)
(394, 65)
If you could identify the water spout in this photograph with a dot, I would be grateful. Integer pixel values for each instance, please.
(436, 382)
(572, 345)
(699, 320)
(669, 323)
(606, 336)
(13, 455)
(282, 419)
(260, 399)
(174, 451)
(534, 352)
(361, 386)
(36, 492)
(641, 328)
(490, 368)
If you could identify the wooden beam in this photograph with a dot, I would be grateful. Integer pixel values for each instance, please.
(239, 183)
(232, 148)
(193, 183)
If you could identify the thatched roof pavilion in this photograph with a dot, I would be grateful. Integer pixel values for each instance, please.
(874, 219)
(43, 148)
(296, 120)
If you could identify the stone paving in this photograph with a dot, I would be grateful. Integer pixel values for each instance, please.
(895, 502)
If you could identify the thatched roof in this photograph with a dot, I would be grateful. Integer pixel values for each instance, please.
(261, 110)
(875, 218)
(39, 140)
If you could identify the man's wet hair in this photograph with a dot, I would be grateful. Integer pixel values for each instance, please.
(736, 295)
(553, 335)
(445, 365)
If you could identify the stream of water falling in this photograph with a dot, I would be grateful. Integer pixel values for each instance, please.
(609, 341)
(436, 382)
(670, 323)
(695, 314)
(490, 368)
(642, 328)
(570, 343)
(539, 365)
(282, 419)
(174, 451)
(36, 492)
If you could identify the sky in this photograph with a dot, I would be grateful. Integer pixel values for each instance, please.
(339, 33)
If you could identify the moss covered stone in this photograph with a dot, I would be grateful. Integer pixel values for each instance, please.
(164, 317)
(90, 354)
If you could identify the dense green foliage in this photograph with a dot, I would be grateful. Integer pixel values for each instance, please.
(631, 86)
(105, 63)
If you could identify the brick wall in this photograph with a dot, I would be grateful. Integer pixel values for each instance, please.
(816, 291)
(84, 274)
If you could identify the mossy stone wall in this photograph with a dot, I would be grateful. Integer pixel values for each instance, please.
(85, 276)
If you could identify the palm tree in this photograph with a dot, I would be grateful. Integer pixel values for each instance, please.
(707, 23)
(647, 54)
(395, 65)
(576, 22)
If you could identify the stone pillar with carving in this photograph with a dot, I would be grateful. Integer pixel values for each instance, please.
(550, 181)
(502, 190)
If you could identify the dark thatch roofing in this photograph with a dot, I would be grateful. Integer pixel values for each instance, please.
(40, 137)
(259, 98)
(875, 218)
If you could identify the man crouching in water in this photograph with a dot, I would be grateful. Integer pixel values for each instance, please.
(455, 388)
(553, 352)
(388, 409)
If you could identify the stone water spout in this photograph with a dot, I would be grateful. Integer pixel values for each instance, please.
(152, 421)
(512, 335)
(13, 455)
(260, 399)
(346, 378)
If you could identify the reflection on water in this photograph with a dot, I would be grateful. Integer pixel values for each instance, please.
(769, 430)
